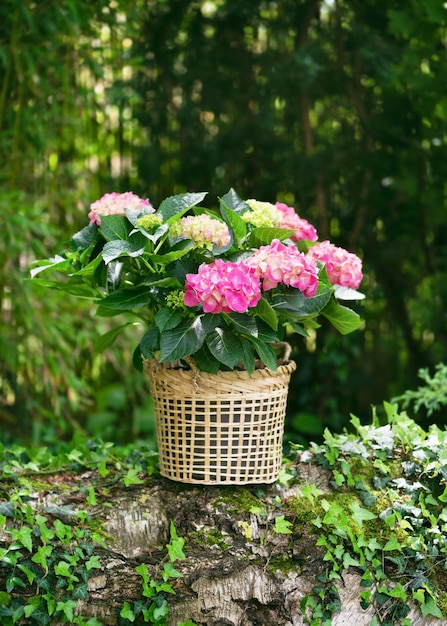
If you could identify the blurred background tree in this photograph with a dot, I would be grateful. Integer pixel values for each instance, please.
(337, 108)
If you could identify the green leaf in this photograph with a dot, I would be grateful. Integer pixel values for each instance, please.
(167, 318)
(134, 247)
(175, 547)
(85, 237)
(244, 324)
(294, 302)
(131, 478)
(179, 204)
(169, 571)
(150, 343)
(264, 236)
(248, 356)
(183, 340)
(232, 201)
(266, 313)
(266, 353)
(225, 347)
(236, 225)
(128, 299)
(361, 514)
(282, 526)
(127, 613)
(345, 320)
(93, 563)
(106, 340)
(115, 227)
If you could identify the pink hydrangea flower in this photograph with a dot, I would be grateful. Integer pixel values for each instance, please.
(342, 267)
(303, 229)
(205, 231)
(278, 263)
(223, 286)
(116, 204)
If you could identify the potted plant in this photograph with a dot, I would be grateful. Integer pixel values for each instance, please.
(219, 292)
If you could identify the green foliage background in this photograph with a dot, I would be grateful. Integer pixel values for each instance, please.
(337, 108)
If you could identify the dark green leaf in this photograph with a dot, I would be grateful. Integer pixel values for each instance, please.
(150, 343)
(225, 347)
(244, 324)
(295, 303)
(85, 237)
(182, 341)
(232, 201)
(210, 321)
(128, 299)
(248, 356)
(167, 318)
(265, 353)
(205, 361)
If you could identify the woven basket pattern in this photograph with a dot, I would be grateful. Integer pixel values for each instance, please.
(220, 429)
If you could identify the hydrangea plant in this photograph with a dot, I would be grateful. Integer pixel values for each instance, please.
(220, 286)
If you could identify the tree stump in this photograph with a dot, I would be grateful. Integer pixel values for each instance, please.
(245, 564)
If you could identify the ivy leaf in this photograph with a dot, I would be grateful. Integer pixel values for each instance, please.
(430, 608)
(175, 547)
(282, 525)
(127, 613)
(225, 347)
(131, 478)
(361, 514)
(183, 340)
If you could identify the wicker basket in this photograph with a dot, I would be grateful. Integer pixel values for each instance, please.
(220, 429)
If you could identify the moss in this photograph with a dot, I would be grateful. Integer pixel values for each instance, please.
(442, 602)
(283, 564)
(238, 501)
(211, 537)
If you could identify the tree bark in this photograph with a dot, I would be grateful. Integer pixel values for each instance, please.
(237, 570)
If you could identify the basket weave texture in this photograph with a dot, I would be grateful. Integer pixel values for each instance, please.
(224, 428)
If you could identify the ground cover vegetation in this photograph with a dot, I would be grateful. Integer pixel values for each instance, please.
(335, 108)
(381, 515)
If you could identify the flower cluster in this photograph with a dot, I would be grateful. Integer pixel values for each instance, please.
(290, 219)
(116, 204)
(342, 267)
(218, 286)
(203, 230)
(278, 263)
(223, 286)
(262, 214)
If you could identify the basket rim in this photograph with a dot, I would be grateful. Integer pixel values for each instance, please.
(154, 365)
